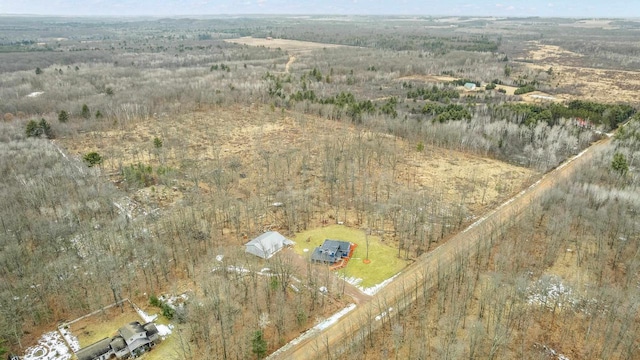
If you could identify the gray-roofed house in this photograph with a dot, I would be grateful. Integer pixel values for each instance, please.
(267, 244)
(119, 347)
(135, 336)
(133, 339)
(97, 351)
(331, 251)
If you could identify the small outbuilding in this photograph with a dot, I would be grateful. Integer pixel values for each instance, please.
(470, 86)
(267, 244)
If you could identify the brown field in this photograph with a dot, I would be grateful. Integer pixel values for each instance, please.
(601, 85)
(286, 45)
(242, 133)
(428, 78)
(592, 24)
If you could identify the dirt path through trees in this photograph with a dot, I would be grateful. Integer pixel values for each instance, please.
(422, 276)
(291, 60)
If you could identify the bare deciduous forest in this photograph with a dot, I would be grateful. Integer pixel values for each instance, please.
(139, 155)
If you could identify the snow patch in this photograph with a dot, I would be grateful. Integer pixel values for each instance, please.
(369, 290)
(553, 353)
(174, 301)
(352, 280)
(383, 314)
(313, 331)
(164, 330)
(71, 339)
(147, 318)
(551, 292)
(374, 289)
(51, 346)
(334, 318)
(232, 268)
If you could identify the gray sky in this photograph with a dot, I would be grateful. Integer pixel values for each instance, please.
(560, 8)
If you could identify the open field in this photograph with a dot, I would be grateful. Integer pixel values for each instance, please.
(593, 84)
(293, 46)
(241, 134)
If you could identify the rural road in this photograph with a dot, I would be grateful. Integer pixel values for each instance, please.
(422, 275)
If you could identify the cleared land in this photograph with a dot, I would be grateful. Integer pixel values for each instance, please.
(284, 44)
(384, 258)
(243, 134)
(105, 324)
(601, 85)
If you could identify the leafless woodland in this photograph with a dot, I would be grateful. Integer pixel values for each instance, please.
(76, 237)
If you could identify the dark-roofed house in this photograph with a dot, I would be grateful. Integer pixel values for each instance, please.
(267, 244)
(97, 351)
(136, 337)
(133, 339)
(331, 251)
(119, 347)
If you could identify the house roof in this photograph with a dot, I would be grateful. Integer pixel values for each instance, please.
(267, 244)
(131, 329)
(470, 85)
(150, 328)
(336, 245)
(320, 256)
(95, 350)
(117, 343)
(331, 251)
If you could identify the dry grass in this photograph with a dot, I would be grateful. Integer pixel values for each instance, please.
(287, 45)
(600, 85)
(103, 325)
(215, 136)
(428, 78)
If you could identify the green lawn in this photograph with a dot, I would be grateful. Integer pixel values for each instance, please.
(384, 261)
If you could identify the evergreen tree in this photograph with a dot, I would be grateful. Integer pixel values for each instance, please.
(619, 163)
(36, 129)
(86, 113)
(259, 344)
(63, 116)
(33, 129)
(46, 128)
(92, 159)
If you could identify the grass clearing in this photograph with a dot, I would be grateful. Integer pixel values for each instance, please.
(169, 348)
(104, 324)
(384, 258)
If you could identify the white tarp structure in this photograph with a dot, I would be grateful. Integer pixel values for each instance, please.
(267, 244)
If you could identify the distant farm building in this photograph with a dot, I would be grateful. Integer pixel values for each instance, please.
(267, 244)
(133, 339)
(333, 252)
(470, 86)
(580, 122)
